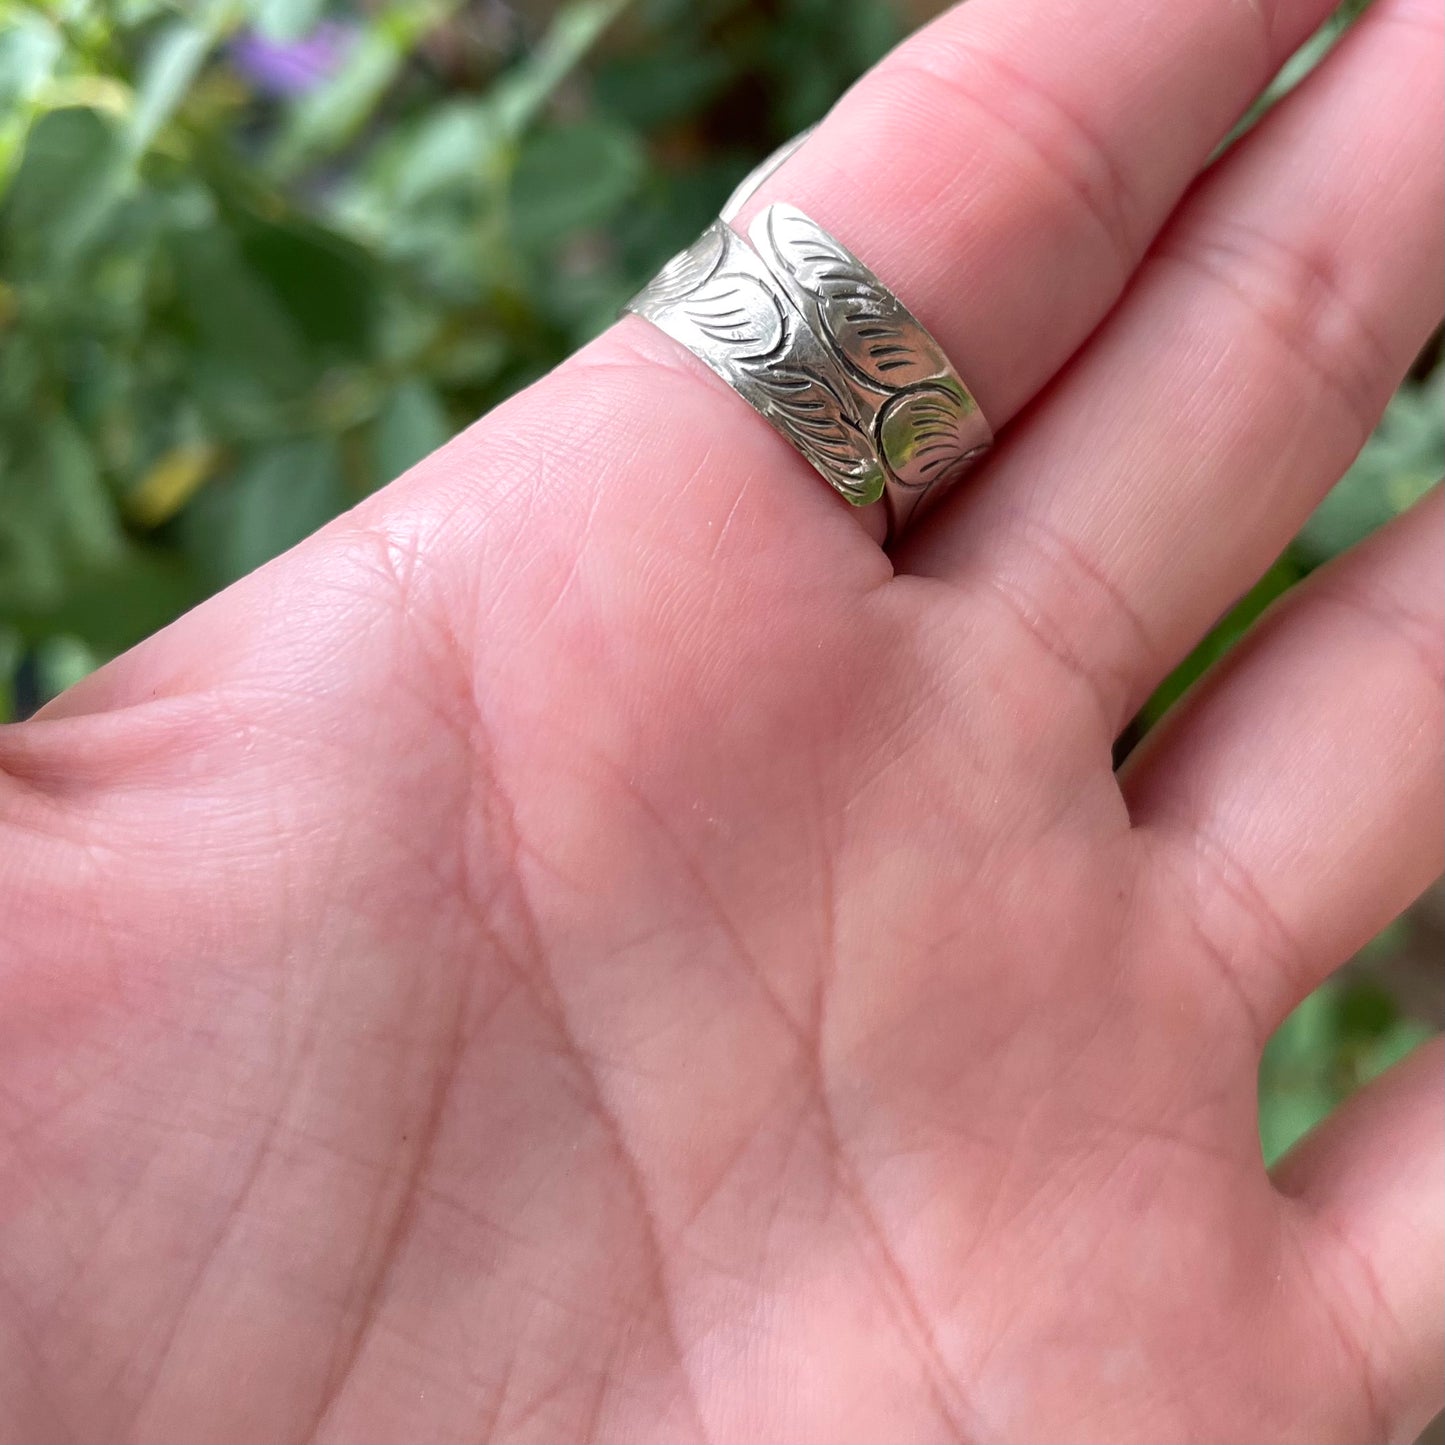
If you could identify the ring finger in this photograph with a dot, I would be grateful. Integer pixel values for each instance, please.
(1003, 171)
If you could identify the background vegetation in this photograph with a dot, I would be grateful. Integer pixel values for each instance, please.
(257, 257)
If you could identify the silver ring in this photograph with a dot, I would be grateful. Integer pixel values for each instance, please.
(720, 300)
(816, 343)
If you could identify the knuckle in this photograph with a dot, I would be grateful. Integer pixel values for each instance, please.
(1076, 613)
(962, 89)
(1414, 631)
(1298, 301)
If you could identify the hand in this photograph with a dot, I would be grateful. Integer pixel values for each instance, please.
(581, 950)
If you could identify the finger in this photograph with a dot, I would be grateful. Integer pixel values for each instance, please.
(1371, 1185)
(1007, 167)
(1003, 171)
(1295, 797)
(1236, 381)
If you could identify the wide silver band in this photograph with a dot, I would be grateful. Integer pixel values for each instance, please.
(720, 300)
(810, 337)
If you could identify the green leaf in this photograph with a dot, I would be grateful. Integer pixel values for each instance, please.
(581, 303)
(1392, 939)
(64, 192)
(1298, 1073)
(131, 14)
(279, 495)
(868, 29)
(1306, 1040)
(472, 358)
(235, 403)
(61, 662)
(285, 20)
(112, 606)
(664, 86)
(329, 118)
(466, 147)
(30, 49)
(11, 650)
(1364, 1010)
(235, 315)
(447, 147)
(1273, 585)
(1340, 1037)
(30, 46)
(1287, 1116)
(327, 286)
(20, 375)
(332, 115)
(170, 69)
(1394, 1045)
(57, 519)
(520, 94)
(79, 501)
(1399, 464)
(571, 177)
(412, 424)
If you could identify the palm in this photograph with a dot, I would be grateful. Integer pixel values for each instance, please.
(559, 956)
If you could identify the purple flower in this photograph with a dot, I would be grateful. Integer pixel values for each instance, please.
(291, 67)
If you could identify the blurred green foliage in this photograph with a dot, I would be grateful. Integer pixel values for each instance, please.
(1340, 1037)
(257, 257)
(251, 269)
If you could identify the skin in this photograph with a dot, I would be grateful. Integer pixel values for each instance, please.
(588, 947)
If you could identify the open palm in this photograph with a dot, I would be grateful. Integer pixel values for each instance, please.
(587, 947)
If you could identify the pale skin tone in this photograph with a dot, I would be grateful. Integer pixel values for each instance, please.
(588, 947)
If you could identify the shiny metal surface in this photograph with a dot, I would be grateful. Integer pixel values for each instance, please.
(815, 342)
(922, 420)
(721, 302)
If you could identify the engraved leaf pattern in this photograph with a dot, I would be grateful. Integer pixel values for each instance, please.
(760, 334)
(821, 425)
(688, 270)
(924, 435)
(737, 311)
(871, 329)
